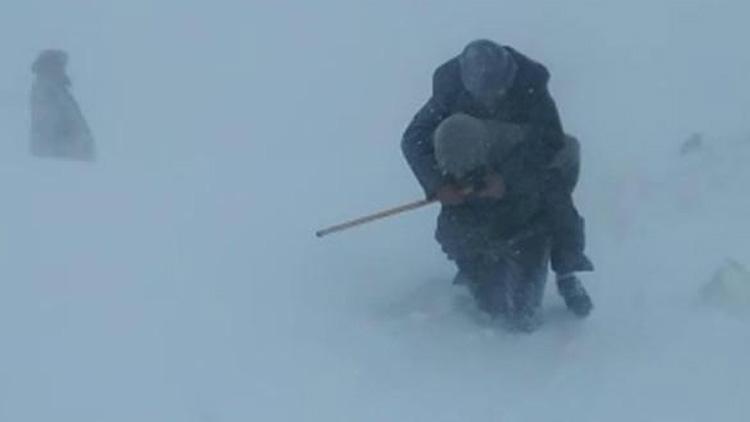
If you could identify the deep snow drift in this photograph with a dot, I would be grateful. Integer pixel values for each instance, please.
(177, 279)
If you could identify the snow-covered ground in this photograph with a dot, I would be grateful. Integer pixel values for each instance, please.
(178, 279)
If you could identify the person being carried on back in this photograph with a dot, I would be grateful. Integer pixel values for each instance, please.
(489, 145)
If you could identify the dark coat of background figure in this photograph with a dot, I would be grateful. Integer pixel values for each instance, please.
(58, 128)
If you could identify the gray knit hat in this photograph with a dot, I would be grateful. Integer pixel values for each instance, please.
(465, 143)
(462, 144)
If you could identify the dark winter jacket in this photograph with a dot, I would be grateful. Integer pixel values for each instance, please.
(527, 103)
(58, 128)
(530, 179)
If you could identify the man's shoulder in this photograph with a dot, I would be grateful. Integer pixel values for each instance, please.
(531, 74)
(446, 80)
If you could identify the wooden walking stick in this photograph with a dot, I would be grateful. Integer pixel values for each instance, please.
(377, 216)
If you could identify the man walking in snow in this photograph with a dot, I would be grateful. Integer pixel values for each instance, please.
(58, 128)
(490, 147)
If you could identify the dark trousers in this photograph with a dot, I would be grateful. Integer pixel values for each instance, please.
(509, 282)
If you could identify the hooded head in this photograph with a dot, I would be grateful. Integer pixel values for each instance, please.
(487, 70)
(462, 145)
(51, 63)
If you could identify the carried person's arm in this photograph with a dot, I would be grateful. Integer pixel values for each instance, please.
(418, 148)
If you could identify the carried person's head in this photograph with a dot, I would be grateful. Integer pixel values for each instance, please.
(462, 146)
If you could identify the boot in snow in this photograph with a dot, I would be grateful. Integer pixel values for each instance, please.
(575, 296)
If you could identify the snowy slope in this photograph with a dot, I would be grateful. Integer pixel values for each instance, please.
(177, 279)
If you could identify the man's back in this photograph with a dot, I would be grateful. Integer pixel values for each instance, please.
(527, 103)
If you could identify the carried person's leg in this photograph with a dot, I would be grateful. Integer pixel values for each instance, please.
(568, 227)
(568, 232)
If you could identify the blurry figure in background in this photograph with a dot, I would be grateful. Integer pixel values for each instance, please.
(58, 128)
(728, 290)
(490, 147)
(694, 143)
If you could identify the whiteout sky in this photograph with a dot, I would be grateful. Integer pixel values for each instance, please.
(177, 279)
